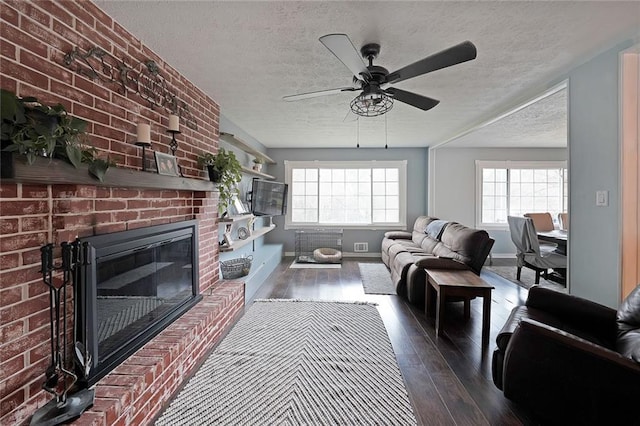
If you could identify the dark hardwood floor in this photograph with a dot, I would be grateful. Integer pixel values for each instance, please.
(448, 378)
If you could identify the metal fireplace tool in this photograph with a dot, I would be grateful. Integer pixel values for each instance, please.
(66, 377)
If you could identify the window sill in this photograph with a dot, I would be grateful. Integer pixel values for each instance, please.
(347, 227)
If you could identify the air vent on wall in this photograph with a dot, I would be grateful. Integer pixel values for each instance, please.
(360, 247)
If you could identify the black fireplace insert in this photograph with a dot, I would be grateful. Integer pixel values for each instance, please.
(132, 286)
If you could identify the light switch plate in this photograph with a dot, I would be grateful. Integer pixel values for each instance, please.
(602, 198)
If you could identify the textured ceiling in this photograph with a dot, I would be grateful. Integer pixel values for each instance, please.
(542, 124)
(248, 55)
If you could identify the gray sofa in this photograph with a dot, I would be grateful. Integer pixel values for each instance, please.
(433, 244)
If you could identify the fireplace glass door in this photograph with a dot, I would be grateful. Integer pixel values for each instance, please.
(137, 288)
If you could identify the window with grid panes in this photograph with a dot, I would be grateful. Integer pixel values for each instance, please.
(513, 188)
(358, 194)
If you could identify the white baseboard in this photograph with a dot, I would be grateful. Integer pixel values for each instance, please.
(503, 255)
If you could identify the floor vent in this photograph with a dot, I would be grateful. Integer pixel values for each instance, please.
(360, 247)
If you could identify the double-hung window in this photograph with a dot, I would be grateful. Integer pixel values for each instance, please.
(513, 188)
(346, 194)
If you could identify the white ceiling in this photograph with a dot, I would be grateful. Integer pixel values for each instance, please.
(248, 55)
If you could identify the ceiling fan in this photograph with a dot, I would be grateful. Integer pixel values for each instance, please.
(375, 98)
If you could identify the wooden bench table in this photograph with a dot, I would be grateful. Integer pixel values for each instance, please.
(443, 283)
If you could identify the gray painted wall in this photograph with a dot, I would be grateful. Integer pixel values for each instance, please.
(417, 161)
(454, 193)
(594, 164)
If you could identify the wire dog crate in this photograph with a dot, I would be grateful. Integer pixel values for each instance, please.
(319, 246)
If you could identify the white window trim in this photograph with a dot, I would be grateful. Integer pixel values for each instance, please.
(401, 165)
(505, 164)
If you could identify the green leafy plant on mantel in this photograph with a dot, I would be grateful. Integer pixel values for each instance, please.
(36, 130)
(225, 170)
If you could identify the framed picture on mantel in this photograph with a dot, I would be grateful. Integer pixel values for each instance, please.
(167, 164)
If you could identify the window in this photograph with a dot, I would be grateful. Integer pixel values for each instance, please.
(513, 188)
(356, 194)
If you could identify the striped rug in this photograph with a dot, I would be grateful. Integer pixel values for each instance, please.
(290, 362)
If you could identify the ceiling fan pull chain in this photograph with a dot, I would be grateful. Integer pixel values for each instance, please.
(386, 134)
(358, 132)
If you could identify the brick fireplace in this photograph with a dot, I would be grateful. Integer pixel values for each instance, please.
(42, 207)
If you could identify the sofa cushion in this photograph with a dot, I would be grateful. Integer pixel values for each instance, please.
(628, 321)
(464, 240)
(429, 244)
(443, 251)
(421, 223)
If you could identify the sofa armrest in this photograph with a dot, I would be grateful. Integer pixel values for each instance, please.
(440, 262)
(398, 235)
(580, 313)
(561, 374)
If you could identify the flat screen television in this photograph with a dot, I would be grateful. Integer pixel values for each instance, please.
(268, 198)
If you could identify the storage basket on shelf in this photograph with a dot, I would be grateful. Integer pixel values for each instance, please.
(235, 268)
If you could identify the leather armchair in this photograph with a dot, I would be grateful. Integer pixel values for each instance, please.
(570, 360)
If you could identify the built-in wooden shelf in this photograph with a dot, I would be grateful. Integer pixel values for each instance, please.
(252, 172)
(51, 171)
(239, 143)
(237, 218)
(241, 243)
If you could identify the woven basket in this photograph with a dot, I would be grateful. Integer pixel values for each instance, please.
(236, 268)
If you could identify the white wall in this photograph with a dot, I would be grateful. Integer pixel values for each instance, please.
(453, 171)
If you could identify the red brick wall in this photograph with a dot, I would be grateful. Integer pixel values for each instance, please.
(34, 37)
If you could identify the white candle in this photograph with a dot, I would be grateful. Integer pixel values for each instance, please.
(144, 133)
(174, 123)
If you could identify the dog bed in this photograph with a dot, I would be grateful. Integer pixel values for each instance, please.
(327, 255)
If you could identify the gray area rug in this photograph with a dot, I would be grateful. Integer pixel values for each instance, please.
(527, 277)
(376, 278)
(289, 362)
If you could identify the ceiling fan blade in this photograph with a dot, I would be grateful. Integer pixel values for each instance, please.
(342, 47)
(457, 54)
(413, 99)
(309, 95)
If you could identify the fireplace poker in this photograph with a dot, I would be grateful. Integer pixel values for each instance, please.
(66, 279)
(46, 256)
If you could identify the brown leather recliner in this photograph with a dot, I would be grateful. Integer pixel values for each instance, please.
(571, 360)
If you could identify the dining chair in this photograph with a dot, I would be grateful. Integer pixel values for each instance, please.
(542, 221)
(563, 220)
(529, 253)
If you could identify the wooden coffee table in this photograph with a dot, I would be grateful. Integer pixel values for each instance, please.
(462, 284)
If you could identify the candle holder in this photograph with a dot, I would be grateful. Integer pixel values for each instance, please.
(173, 145)
(144, 146)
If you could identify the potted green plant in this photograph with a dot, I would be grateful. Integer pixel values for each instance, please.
(257, 164)
(225, 170)
(33, 129)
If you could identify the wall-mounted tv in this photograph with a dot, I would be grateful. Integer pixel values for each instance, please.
(268, 198)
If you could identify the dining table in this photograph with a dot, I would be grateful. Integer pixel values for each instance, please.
(557, 236)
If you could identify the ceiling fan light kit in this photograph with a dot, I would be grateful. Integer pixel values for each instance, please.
(371, 104)
(371, 79)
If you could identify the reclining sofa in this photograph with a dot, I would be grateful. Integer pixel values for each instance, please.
(571, 360)
(433, 244)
